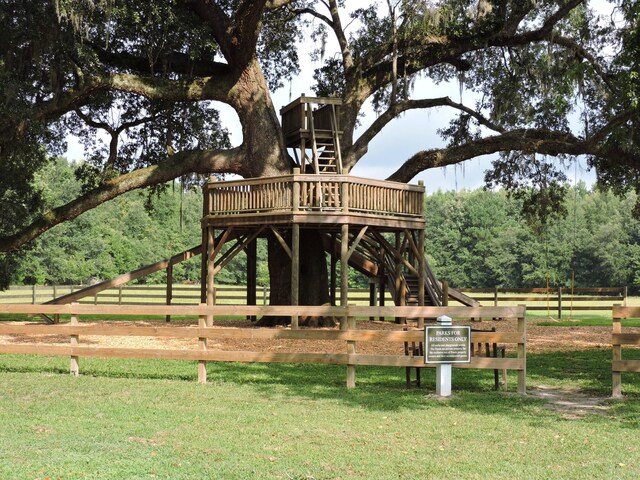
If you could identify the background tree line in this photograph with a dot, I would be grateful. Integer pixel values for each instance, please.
(476, 238)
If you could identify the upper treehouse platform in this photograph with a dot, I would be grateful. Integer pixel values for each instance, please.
(318, 193)
(314, 201)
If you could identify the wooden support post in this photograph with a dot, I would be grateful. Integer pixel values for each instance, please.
(373, 284)
(252, 273)
(295, 249)
(295, 271)
(400, 285)
(203, 267)
(334, 264)
(33, 294)
(202, 345)
(522, 355)
(344, 264)
(75, 364)
(422, 272)
(120, 295)
(211, 290)
(169, 295)
(206, 210)
(382, 284)
(344, 187)
(445, 293)
(616, 350)
(344, 294)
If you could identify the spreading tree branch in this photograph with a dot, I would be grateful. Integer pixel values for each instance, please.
(540, 141)
(360, 146)
(182, 163)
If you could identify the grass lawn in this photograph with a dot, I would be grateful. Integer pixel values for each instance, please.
(125, 419)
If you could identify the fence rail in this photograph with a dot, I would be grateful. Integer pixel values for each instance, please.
(557, 300)
(348, 333)
(151, 295)
(554, 300)
(618, 339)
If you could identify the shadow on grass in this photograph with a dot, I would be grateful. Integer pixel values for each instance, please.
(378, 388)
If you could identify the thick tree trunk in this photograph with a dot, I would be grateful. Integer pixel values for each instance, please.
(266, 156)
(314, 282)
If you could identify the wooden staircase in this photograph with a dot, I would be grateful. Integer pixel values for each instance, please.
(373, 260)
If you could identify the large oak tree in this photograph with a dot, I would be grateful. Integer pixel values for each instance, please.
(553, 80)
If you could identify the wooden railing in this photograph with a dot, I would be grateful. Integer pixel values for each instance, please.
(348, 333)
(308, 193)
(618, 339)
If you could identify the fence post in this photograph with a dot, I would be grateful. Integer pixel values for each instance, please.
(495, 296)
(169, 291)
(559, 303)
(33, 294)
(351, 350)
(522, 353)
(75, 365)
(202, 345)
(625, 294)
(616, 350)
(120, 295)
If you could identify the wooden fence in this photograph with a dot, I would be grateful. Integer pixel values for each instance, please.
(618, 339)
(348, 333)
(553, 300)
(153, 295)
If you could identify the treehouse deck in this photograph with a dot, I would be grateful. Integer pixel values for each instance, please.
(324, 201)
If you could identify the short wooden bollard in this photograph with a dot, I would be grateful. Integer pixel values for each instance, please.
(202, 344)
(75, 366)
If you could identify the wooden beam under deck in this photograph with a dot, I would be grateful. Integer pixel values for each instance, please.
(325, 220)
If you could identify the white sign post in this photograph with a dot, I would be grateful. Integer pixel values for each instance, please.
(444, 345)
(443, 370)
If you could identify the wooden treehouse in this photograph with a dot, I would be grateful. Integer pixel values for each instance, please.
(373, 226)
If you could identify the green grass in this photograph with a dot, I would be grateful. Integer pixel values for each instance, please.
(150, 419)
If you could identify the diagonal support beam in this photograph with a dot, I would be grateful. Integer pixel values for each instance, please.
(356, 241)
(240, 245)
(282, 242)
